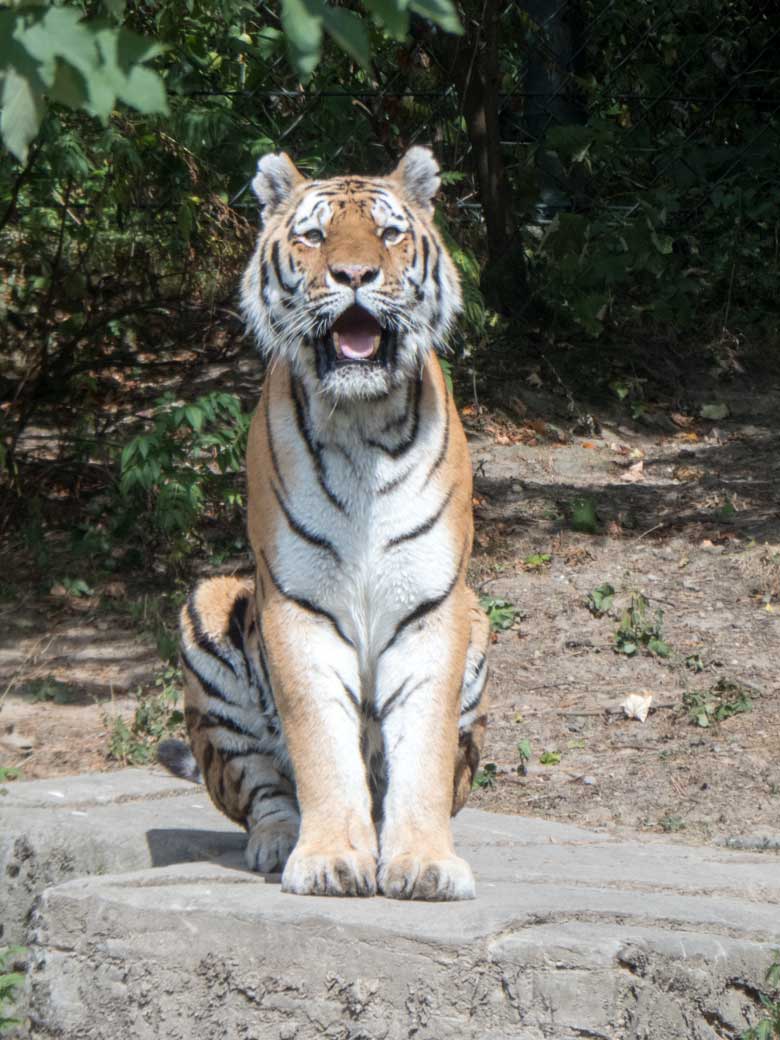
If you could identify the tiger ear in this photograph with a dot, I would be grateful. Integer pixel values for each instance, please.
(418, 175)
(276, 178)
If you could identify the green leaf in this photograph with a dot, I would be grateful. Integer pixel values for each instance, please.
(524, 748)
(350, 34)
(442, 12)
(302, 23)
(658, 647)
(714, 411)
(550, 758)
(21, 111)
(583, 516)
(392, 14)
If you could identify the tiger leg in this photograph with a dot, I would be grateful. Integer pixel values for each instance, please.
(473, 705)
(317, 682)
(231, 716)
(418, 698)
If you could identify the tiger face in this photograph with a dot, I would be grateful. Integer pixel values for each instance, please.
(350, 281)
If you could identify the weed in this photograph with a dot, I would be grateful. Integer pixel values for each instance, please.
(769, 1026)
(524, 751)
(670, 823)
(722, 701)
(10, 983)
(600, 601)
(537, 561)
(8, 773)
(501, 613)
(550, 758)
(155, 718)
(76, 587)
(638, 629)
(486, 777)
(583, 516)
(694, 663)
(50, 689)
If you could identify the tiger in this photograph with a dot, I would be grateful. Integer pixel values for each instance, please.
(336, 702)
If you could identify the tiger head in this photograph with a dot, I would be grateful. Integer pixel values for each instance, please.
(350, 281)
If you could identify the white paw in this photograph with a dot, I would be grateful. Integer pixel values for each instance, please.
(347, 873)
(413, 877)
(270, 844)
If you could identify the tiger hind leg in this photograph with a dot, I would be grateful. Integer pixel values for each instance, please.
(233, 725)
(473, 706)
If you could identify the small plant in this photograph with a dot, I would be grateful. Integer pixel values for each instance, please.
(722, 701)
(694, 663)
(638, 629)
(550, 758)
(501, 613)
(155, 718)
(537, 561)
(8, 773)
(524, 751)
(583, 516)
(671, 824)
(50, 689)
(10, 983)
(486, 777)
(76, 587)
(769, 1026)
(600, 601)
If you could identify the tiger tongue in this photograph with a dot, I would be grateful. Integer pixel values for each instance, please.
(357, 345)
(356, 334)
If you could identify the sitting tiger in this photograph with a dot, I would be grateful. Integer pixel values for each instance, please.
(336, 704)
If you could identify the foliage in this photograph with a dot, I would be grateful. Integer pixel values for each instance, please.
(52, 53)
(640, 630)
(486, 777)
(10, 983)
(722, 701)
(768, 1028)
(550, 758)
(583, 516)
(167, 472)
(156, 718)
(601, 599)
(501, 613)
(524, 752)
(8, 773)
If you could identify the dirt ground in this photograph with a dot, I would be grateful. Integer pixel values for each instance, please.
(680, 509)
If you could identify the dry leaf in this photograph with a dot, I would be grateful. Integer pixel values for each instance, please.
(637, 705)
(634, 472)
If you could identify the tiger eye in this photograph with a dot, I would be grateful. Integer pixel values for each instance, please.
(313, 236)
(392, 235)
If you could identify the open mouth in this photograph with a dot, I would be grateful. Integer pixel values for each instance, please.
(356, 338)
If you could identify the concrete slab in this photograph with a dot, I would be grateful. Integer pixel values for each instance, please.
(571, 935)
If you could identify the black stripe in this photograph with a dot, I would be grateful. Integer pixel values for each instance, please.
(208, 759)
(230, 756)
(406, 442)
(426, 607)
(317, 540)
(202, 638)
(426, 250)
(391, 485)
(272, 447)
(425, 526)
(212, 721)
(304, 604)
(273, 812)
(445, 441)
(270, 790)
(314, 449)
(396, 700)
(237, 623)
(278, 269)
(209, 687)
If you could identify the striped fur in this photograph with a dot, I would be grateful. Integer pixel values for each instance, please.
(336, 704)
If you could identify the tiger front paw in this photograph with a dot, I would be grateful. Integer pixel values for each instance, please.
(269, 845)
(347, 873)
(416, 877)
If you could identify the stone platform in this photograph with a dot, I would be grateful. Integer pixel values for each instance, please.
(573, 934)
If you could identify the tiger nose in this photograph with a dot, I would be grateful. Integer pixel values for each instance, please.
(354, 275)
